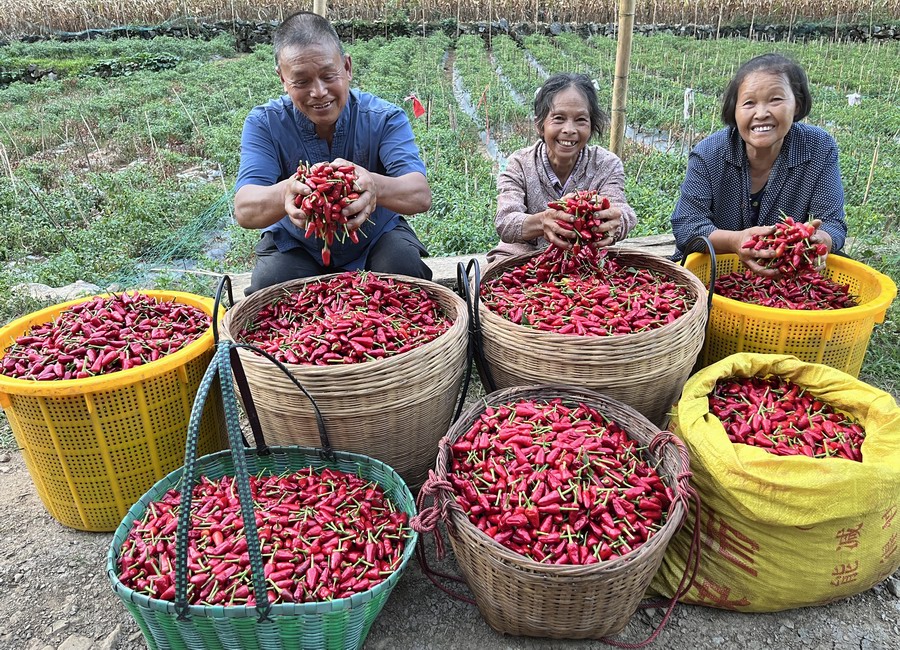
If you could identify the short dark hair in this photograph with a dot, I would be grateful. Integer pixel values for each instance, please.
(543, 100)
(775, 64)
(302, 29)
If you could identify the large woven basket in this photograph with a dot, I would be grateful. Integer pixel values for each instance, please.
(645, 370)
(329, 625)
(517, 595)
(394, 409)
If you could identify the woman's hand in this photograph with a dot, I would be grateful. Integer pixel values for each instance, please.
(553, 225)
(754, 259)
(610, 223)
(820, 237)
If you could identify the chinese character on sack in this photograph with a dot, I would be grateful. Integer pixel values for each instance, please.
(888, 516)
(731, 544)
(845, 574)
(710, 593)
(848, 537)
(887, 552)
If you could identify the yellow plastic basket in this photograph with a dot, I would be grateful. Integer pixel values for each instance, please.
(94, 446)
(837, 338)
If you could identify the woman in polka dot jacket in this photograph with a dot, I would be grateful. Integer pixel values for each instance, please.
(765, 164)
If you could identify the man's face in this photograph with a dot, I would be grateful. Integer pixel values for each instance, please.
(317, 78)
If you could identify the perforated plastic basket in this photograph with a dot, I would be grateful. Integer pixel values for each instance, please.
(837, 338)
(94, 446)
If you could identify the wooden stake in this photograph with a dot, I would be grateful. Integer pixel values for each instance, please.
(871, 171)
(620, 80)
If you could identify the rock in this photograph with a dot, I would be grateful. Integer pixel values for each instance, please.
(112, 639)
(58, 627)
(556, 29)
(61, 294)
(76, 642)
(893, 586)
(788, 623)
(5, 457)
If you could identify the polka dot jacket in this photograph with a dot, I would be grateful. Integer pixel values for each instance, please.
(805, 183)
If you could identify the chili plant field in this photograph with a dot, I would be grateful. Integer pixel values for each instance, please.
(117, 169)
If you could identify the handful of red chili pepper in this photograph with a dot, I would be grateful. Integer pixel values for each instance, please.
(103, 335)
(784, 419)
(808, 290)
(557, 482)
(794, 252)
(583, 205)
(324, 535)
(349, 318)
(333, 189)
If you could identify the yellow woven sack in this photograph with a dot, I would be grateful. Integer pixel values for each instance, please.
(779, 532)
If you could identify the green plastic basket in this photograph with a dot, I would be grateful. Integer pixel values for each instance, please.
(340, 623)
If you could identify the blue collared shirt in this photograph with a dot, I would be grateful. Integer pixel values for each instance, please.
(371, 132)
(805, 183)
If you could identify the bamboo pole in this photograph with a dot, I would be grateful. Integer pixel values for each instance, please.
(620, 80)
(320, 7)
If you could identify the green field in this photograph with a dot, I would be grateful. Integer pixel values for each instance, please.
(106, 178)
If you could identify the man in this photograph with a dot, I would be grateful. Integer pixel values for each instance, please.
(321, 119)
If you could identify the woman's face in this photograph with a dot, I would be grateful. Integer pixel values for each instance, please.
(764, 110)
(567, 127)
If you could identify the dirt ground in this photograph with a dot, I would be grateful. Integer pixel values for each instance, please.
(54, 595)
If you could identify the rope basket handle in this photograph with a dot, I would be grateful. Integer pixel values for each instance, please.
(429, 518)
(685, 494)
(221, 368)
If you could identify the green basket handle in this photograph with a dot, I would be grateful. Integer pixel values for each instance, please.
(225, 281)
(221, 368)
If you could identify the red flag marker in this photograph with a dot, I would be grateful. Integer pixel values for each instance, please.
(418, 109)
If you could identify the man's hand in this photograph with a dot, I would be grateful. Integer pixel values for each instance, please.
(362, 208)
(294, 188)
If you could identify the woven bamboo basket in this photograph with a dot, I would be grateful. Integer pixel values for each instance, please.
(394, 409)
(339, 624)
(517, 595)
(645, 370)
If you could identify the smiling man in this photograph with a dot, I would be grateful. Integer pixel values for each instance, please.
(321, 119)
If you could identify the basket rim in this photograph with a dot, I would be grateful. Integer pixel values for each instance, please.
(691, 281)
(876, 307)
(458, 327)
(119, 379)
(245, 611)
(675, 517)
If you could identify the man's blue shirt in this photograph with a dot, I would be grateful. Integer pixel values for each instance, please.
(370, 132)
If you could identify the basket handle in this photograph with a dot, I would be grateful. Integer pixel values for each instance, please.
(224, 281)
(475, 349)
(712, 268)
(221, 368)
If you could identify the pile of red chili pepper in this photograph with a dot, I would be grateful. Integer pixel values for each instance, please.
(793, 250)
(557, 483)
(324, 535)
(348, 318)
(333, 189)
(103, 335)
(603, 299)
(808, 290)
(784, 419)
